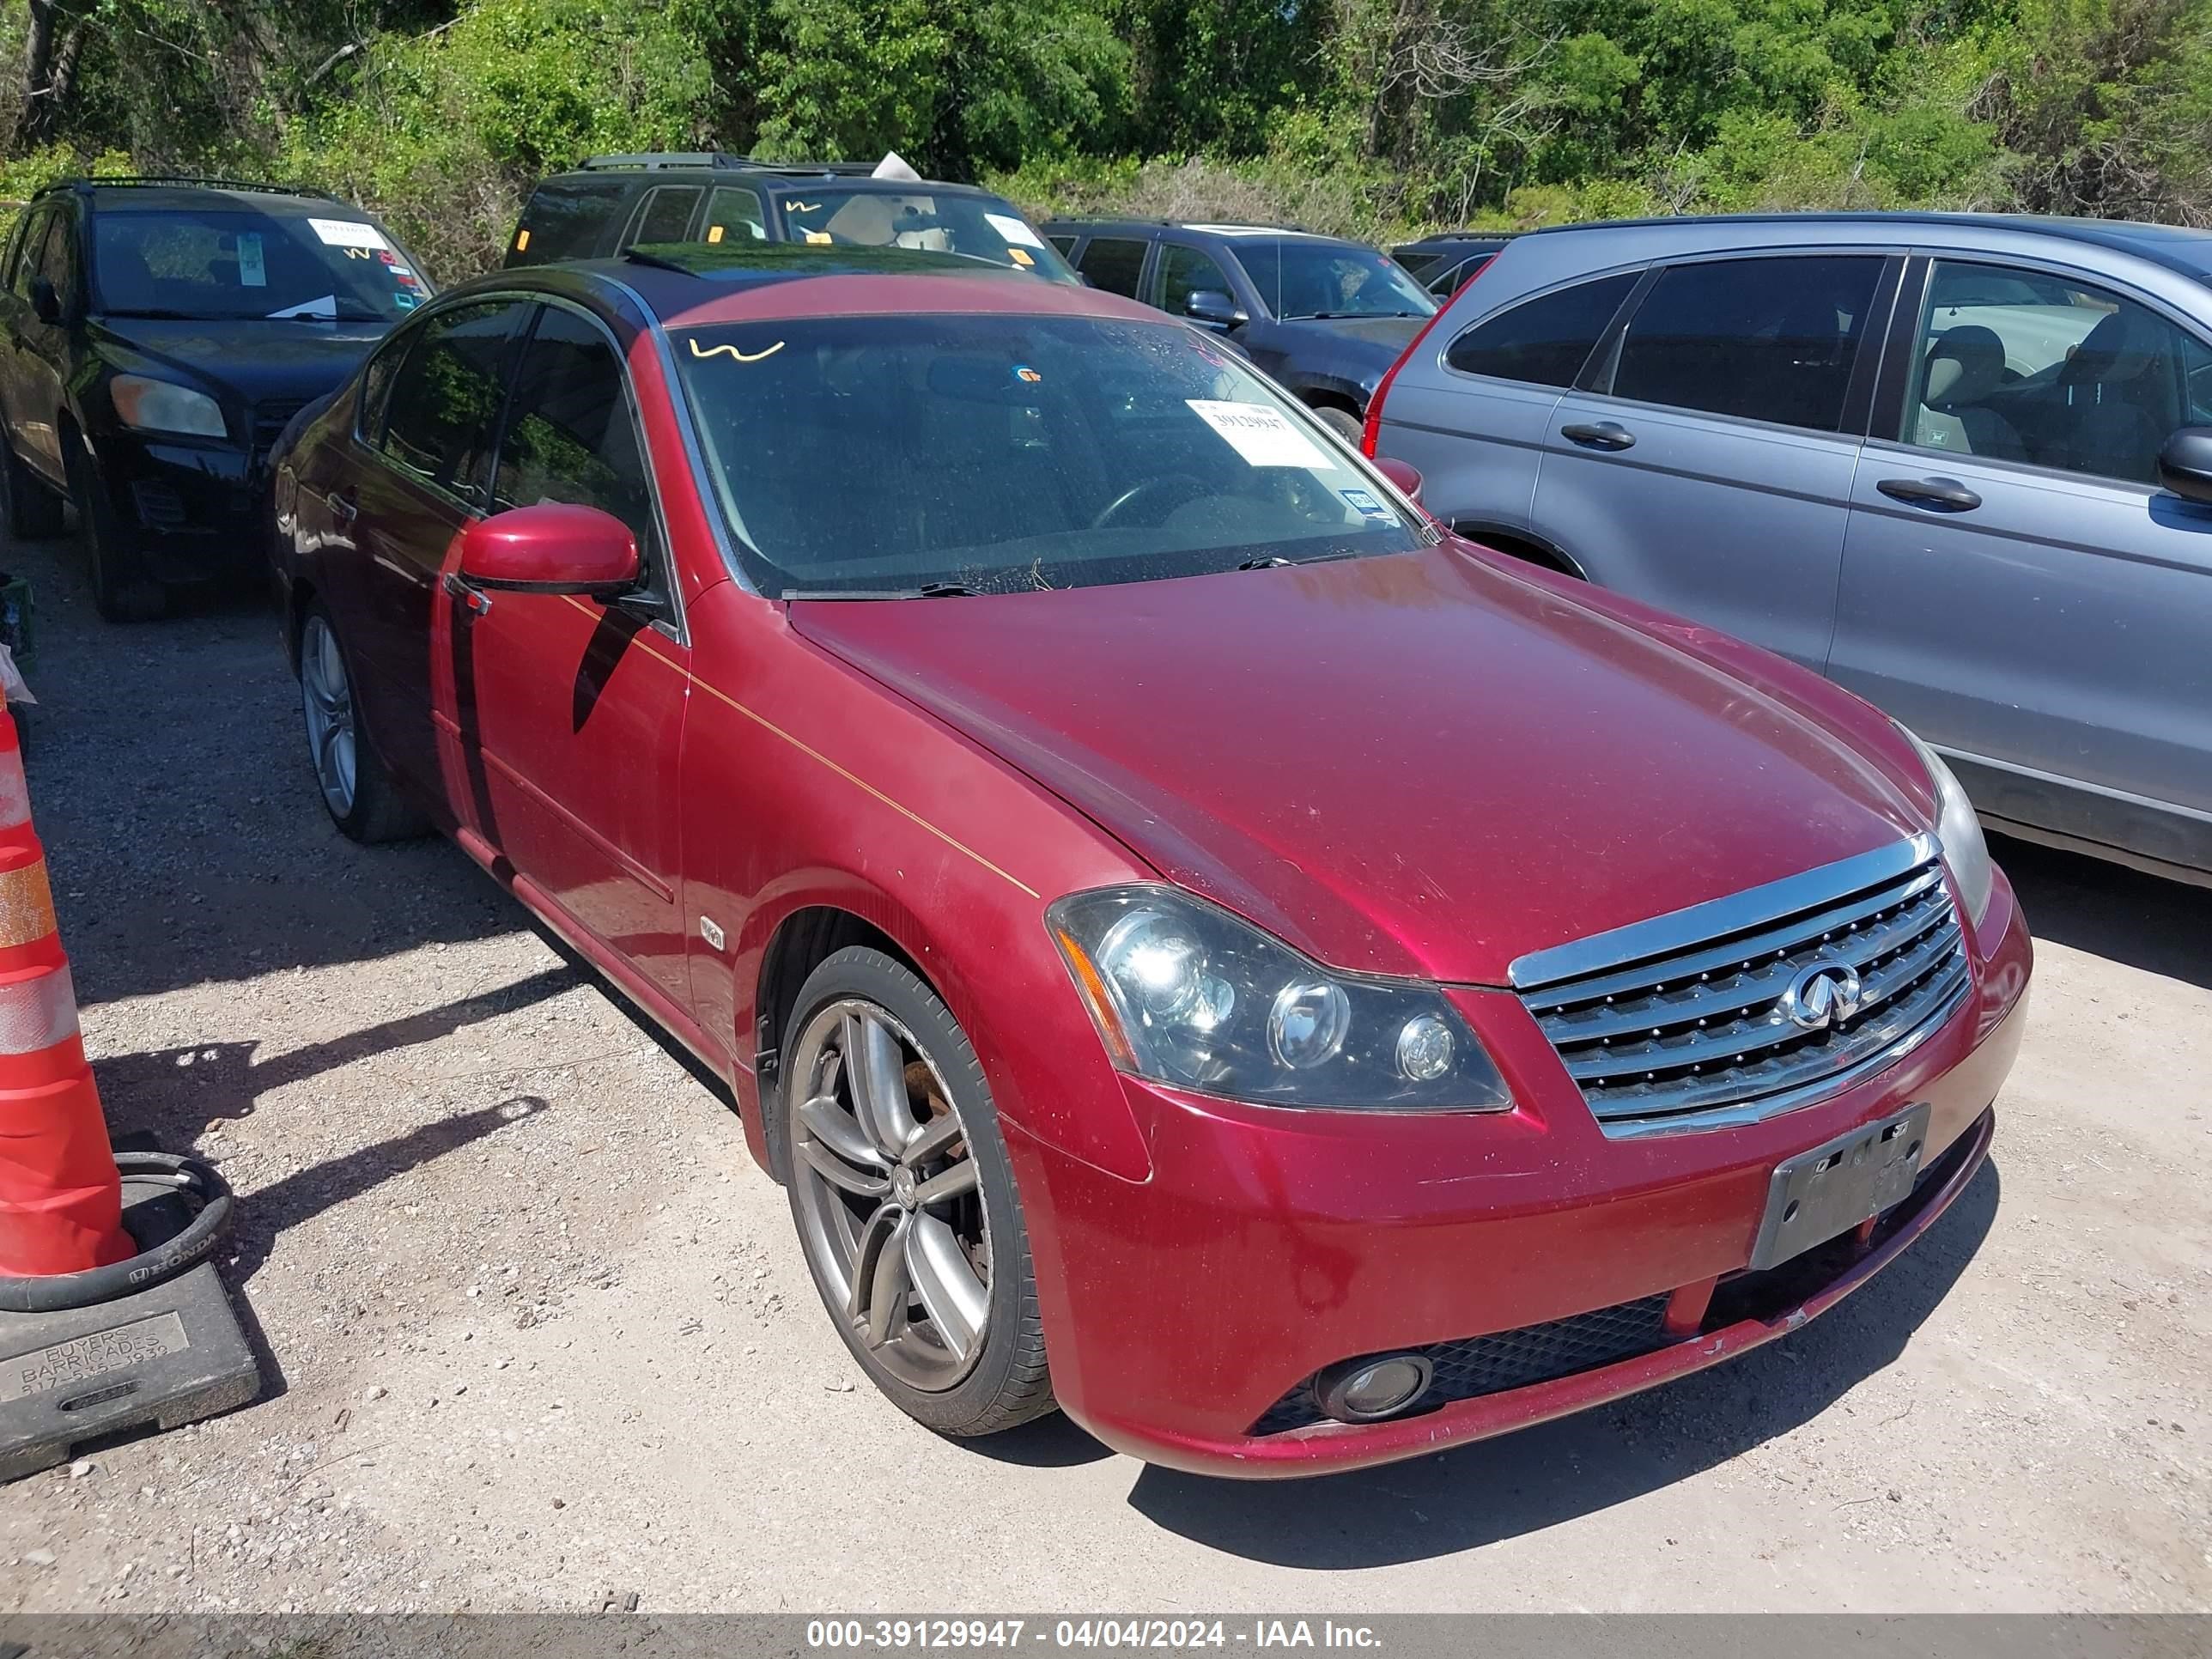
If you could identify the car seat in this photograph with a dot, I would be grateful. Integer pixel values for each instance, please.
(1964, 365)
(2117, 402)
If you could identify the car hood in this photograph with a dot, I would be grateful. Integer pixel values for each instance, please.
(1388, 336)
(258, 360)
(1416, 765)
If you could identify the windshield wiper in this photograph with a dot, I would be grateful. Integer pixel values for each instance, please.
(1263, 562)
(157, 314)
(1348, 316)
(1269, 561)
(927, 591)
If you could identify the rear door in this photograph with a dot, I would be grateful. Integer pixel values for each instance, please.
(427, 475)
(1705, 462)
(570, 711)
(664, 215)
(2015, 586)
(1115, 264)
(15, 353)
(1474, 419)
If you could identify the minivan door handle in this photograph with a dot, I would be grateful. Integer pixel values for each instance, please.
(1936, 494)
(342, 505)
(1599, 434)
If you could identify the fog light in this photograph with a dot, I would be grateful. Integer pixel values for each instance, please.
(1368, 1390)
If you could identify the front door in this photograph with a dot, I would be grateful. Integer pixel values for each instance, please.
(1705, 465)
(432, 476)
(2015, 586)
(570, 711)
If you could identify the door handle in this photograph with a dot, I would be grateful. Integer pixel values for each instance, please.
(1936, 494)
(1599, 434)
(473, 599)
(342, 506)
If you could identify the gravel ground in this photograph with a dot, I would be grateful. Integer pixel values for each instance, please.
(537, 1334)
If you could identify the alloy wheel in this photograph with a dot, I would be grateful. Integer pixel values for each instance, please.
(891, 1211)
(326, 699)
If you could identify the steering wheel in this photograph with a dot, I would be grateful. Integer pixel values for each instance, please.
(1186, 489)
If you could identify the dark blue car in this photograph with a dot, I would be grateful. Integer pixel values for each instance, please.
(1326, 317)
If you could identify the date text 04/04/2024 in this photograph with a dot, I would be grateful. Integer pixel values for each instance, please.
(830, 1635)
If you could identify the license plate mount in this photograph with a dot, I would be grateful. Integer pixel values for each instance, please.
(1834, 1187)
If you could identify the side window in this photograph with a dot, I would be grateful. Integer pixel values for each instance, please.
(567, 220)
(570, 434)
(734, 215)
(57, 259)
(1115, 264)
(1765, 339)
(1544, 341)
(665, 215)
(1184, 271)
(27, 249)
(376, 387)
(1063, 241)
(2022, 366)
(443, 408)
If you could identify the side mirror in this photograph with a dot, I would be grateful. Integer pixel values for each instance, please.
(554, 548)
(45, 301)
(1408, 478)
(2184, 464)
(1213, 308)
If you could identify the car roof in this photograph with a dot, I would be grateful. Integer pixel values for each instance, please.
(760, 175)
(1446, 241)
(2178, 247)
(688, 284)
(1232, 233)
(183, 193)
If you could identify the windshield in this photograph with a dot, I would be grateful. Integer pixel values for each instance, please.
(982, 226)
(903, 455)
(1306, 278)
(230, 263)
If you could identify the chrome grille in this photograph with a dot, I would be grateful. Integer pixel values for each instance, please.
(1681, 1022)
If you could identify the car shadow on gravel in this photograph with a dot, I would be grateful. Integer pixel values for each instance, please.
(2149, 923)
(1555, 1472)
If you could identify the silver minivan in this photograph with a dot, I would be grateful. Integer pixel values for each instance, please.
(1961, 463)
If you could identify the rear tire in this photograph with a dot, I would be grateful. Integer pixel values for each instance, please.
(912, 1202)
(122, 592)
(32, 513)
(358, 793)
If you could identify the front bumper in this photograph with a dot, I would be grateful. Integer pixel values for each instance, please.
(1182, 1310)
(192, 510)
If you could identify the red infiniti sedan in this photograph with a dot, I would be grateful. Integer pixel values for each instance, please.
(1201, 945)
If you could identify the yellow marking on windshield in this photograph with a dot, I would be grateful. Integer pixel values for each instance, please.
(743, 357)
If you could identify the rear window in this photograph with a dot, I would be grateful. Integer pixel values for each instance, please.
(1762, 339)
(941, 222)
(1544, 341)
(1114, 262)
(567, 219)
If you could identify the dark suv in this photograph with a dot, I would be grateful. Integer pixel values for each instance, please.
(617, 202)
(1326, 317)
(155, 337)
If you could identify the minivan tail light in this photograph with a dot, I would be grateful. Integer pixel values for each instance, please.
(1373, 428)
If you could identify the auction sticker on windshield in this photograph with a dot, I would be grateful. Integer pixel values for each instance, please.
(1263, 436)
(1013, 229)
(347, 232)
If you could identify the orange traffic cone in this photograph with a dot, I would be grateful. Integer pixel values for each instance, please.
(61, 1201)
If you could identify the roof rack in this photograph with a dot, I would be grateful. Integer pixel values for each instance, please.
(666, 158)
(203, 182)
(651, 160)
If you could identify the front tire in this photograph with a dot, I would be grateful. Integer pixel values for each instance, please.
(122, 592)
(904, 1199)
(1342, 421)
(359, 794)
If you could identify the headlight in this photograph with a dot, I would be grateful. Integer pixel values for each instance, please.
(1190, 995)
(1959, 830)
(161, 406)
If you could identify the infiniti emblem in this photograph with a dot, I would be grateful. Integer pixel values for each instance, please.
(1824, 993)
